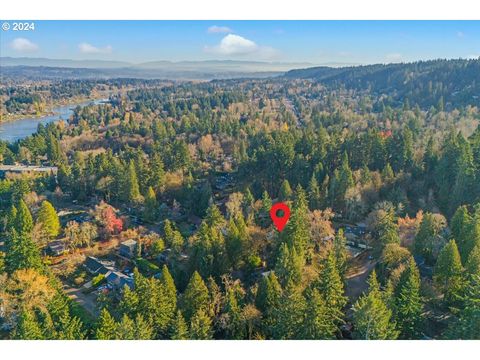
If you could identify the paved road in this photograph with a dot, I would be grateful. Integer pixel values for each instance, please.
(87, 301)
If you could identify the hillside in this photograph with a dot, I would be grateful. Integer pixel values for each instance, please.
(424, 83)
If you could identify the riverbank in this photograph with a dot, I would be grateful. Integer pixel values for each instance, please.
(6, 118)
(13, 131)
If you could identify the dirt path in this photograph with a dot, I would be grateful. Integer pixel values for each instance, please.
(87, 301)
(357, 282)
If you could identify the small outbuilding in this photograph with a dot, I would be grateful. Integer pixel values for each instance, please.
(128, 248)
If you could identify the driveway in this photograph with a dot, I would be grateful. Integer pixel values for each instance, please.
(87, 301)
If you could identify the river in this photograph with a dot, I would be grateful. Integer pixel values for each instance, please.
(12, 131)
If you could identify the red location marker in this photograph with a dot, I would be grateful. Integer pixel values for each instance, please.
(279, 219)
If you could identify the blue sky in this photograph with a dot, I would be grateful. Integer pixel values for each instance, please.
(317, 42)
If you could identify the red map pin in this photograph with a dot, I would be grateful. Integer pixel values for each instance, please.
(280, 213)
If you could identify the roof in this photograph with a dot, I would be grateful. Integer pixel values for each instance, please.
(94, 265)
(129, 243)
(56, 246)
(118, 279)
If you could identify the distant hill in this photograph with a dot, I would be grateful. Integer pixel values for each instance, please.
(182, 70)
(67, 63)
(424, 82)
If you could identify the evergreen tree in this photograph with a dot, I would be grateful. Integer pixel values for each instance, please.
(448, 272)
(318, 321)
(143, 330)
(195, 297)
(132, 189)
(28, 327)
(408, 303)
(314, 194)
(341, 253)
(288, 267)
(235, 328)
(179, 330)
(289, 315)
(372, 320)
(297, 232)
(151, 206)
(331, 285)
(266, 204)
(472, 267)
(23, 220)
(267, 299)
(47, 216)
(461, 226)
(125, 329)
(106, 327)
(285, 191)
(201, 326)
(21, 253)
(173, 237)
(467, 325)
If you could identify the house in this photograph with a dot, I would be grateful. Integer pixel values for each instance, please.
(128, 248)
(94, 266)
(118, 280)
(56, 248)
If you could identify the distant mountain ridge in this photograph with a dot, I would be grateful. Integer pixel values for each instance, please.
(183, 70)
(450, 81)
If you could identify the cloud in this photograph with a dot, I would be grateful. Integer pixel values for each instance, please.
(87, 48)
(236, 45)
(219, 29)
(23, 45)
(460, 34)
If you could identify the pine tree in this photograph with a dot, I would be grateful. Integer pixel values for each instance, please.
(472, 267)
(179, 329)
(331, 285)
(461, 226)
(214, 217)
(267, 301)
(314, 194)
(132, 189)
(448, 272)
(285, 191)
(372, 320)
(266, 204)
(173, 237)
(341, 253)
(235, 328)
(125, 329)
(297, 232)
(318, 321)
(166, 301)
(143, 330)
(28, 327)
(467, 325)
(129, 302)
(150, 209)
(23, 220)
(195, 297)
(201, 326)
(344, 180)
(288, 266)
(47, 216)
(289, 315)
(408, 303)
(21, 253)
(106, 327)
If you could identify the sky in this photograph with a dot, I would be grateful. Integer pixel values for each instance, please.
(316, 42)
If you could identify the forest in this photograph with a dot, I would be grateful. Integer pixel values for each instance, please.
(380, 166)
